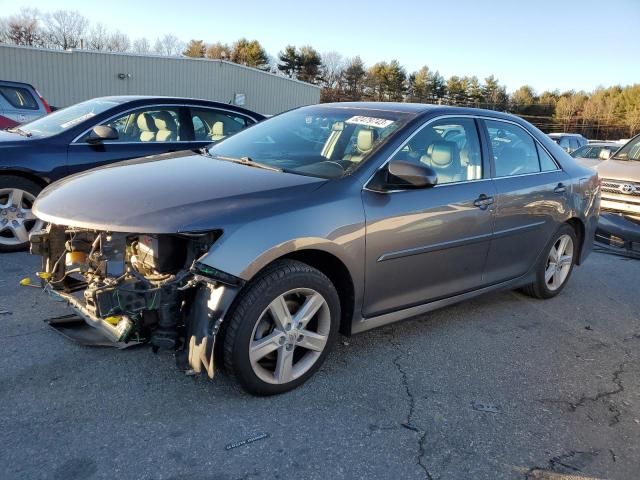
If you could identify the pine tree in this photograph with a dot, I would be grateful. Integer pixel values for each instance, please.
(288, 61)
(355, 76)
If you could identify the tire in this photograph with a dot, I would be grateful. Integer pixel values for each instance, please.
(545, 287)
(270, 350)
(17, 221)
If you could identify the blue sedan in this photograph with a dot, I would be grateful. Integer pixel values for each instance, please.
(98, 132)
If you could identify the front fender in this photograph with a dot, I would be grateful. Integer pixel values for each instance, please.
(337, 228)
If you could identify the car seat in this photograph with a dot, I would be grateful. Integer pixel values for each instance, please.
(147, 127)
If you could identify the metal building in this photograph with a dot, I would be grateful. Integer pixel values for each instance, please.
(67, 77)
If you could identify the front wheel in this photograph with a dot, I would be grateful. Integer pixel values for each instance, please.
(555, 267)
(17, 221)
(282, 328)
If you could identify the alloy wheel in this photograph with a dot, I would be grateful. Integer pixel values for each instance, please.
(16, 218)
(290, 336)
(559, 262)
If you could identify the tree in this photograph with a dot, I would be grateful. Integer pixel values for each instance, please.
(98, 37)
(4, 30)
(141, 46)
(218, 51)
(250, 53)
(474, 92)
(168, 45)
(118, 42)
(457, 90)
(495, 95)
(309, 63)
(24, 28)
(65, 29)
(523, 99)
(195, 48)
(332, 69)
(288, 61)
(395, 81)
(355, 77)
(376, 81)
(418, 86)
(436, 87)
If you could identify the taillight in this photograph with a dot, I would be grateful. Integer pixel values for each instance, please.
(44, 102)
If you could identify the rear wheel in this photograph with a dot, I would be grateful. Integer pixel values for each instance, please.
(282, 328)
(555, 267)
(17, 195)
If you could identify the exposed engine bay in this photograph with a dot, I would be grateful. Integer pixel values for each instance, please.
(140, 288)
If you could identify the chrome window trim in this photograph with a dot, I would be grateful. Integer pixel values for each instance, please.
(440, 117)
(174, 105)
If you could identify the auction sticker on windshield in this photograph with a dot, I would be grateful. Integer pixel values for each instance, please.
(369, 121)
(77, 120)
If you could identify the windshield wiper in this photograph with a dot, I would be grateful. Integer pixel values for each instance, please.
(248, 161)
(19, 131)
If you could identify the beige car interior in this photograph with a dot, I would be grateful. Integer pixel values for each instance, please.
(147, 127)
(167, 129)
(365, 141)
(217, 131)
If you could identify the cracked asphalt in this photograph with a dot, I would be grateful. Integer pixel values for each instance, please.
(501, 387)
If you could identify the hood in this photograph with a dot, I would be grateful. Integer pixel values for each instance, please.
(8, 138)
(626, 170)
(175, 192)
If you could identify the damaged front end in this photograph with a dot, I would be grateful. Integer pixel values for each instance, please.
(140, 287)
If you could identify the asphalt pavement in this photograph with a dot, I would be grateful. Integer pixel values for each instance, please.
(501, 387)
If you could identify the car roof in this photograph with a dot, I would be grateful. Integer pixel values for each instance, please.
(18, 84)
(143, 99)
(421, 108)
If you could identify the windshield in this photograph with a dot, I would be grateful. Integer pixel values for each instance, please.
(316, 141)
(631, 151)
(69, 117)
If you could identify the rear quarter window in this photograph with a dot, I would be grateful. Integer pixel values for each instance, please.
(19, 97)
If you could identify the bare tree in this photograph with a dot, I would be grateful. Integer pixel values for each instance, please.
(141, 45)
(333, 65)
(24, 28)
(169, 45)
(219, 51)
(98, 37)
(118, 42)
(65, 28)
(4, 30)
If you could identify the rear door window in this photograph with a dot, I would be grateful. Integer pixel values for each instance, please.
(514, 150)
(19, 97)
(210, 125)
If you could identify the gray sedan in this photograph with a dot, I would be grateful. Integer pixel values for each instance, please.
(325, 219)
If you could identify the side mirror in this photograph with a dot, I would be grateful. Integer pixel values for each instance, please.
(604, 154)
(100, 133)
(410, 175)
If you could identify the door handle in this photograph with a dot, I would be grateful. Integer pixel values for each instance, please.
(560, 188)
(483, 201)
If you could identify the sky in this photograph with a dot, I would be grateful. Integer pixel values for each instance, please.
(561, 44)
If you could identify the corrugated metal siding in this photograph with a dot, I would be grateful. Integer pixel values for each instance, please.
(65, 78)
